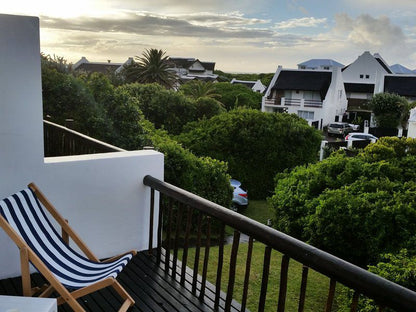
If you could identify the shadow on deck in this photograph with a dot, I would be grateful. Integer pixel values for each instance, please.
(146, 282)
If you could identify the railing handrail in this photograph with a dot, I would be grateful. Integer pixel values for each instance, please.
(383, 291)
(91, 140)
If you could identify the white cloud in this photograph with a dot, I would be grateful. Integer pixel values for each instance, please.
(301, 22)
(367, 31)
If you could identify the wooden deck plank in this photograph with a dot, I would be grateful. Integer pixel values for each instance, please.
(148, 284)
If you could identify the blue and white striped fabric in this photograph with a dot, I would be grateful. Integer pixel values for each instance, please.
(27, 217)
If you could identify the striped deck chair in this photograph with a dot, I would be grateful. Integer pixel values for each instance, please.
(69, 273)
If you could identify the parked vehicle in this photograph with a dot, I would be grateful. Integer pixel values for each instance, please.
(355, 136)
(240, 197)
(339, 128)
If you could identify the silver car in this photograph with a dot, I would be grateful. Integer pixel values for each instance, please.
(356, 136)
(240, 197)
(339, 128)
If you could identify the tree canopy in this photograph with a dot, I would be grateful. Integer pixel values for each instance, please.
(390, 110)
(255, 145)
(151, 67)
(353, 207)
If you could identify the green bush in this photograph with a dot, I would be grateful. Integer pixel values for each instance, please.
(203, 176)
(399, 268)
(390, 110)
(236, 95)
(354, 207)
(166, 109)
(255, 145)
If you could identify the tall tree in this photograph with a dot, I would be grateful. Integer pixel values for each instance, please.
(151, 67)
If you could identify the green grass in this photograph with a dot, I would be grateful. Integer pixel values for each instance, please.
(258, 210)
(317, 288)
(318, 284)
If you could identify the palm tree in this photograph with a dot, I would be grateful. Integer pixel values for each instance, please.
(197, 89)
(151, 67)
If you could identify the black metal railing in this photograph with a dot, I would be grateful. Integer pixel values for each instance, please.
(193, 211)
(62, 141)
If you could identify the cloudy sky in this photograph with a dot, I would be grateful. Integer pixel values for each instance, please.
(239, 35)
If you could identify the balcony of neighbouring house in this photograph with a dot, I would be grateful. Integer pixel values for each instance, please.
(283, 101)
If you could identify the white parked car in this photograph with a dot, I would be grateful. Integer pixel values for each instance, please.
(240, 197)
(355, 136)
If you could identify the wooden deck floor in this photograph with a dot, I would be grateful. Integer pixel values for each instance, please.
(146, 282)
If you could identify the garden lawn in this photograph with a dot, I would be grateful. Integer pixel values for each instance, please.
(317, 288)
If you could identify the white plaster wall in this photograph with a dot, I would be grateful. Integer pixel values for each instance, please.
(335, 100)
(365, 64)
(102, 195)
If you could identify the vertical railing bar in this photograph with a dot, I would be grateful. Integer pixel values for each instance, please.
(265, 278)
(247, 274)
(331, 295)
(197, 253)
(354, 302)
(152, 212)
(185, 246)
(160, 228)
(303, 285)
(283, 283)
(206, 258)
(231, 276)
(177, 237)
(219, 267)
(168, 233)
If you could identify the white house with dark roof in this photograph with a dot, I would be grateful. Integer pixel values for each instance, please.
(315, 95)
(100, 67)
(362, 79)
(190, 68)
(256, 86)
(320, 64)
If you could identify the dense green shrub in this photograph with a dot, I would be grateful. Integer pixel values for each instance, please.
(166, 109)
(354, 207)
(207, 108)
(390, 110)
(203, 176)
(255, 145)
(237, 95)
(67, 97)
(399, 268)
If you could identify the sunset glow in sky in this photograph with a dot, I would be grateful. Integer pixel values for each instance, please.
(240, 36)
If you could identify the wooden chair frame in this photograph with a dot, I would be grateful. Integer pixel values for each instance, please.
(65, 296)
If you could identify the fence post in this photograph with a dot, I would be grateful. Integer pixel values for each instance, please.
(321, 151)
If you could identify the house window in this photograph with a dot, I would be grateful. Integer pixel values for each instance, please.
(306, 115)
(367, 76)
(326, 67)
(361, 76)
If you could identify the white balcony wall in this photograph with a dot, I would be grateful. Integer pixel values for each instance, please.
(101, 195)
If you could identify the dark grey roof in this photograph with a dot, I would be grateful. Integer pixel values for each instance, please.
(208, 65)
(98, 67)
(248, 84)
(386, 68)
(182, 62)
(401, 85)
(359, 87)
(304, 80)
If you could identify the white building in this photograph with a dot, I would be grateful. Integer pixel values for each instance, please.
(256, 86)
(317, 96)
(320, 64)
(190, 68)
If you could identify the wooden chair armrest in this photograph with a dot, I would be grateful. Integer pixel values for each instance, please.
(133, 252)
